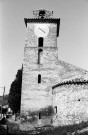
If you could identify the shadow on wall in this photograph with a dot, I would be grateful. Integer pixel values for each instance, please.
(40, 114)
(67, 130)
(63, 130)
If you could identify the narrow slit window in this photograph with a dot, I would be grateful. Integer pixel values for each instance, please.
(39, 78)
(39, 55)
(39, 115)
(55, 108)
(40, 42)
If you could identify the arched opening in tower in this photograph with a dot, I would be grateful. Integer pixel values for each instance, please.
(40, 51)
(39, 78)
(40, 42)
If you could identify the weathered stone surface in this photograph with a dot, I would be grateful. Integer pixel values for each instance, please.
(71, 102)
(68, 102)
(49, 41)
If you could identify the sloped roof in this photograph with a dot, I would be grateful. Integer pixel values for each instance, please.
(71, 75)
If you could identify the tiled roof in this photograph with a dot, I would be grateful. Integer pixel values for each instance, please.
(71, 82)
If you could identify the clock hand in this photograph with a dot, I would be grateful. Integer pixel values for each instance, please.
(42, 30)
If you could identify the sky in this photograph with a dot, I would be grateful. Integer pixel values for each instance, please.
(72, 41)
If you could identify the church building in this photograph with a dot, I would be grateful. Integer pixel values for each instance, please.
(54, 93)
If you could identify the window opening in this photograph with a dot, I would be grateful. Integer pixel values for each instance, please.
(40, 43)
(55, 109)
(39, 115)
(39, 55)
(39, 78)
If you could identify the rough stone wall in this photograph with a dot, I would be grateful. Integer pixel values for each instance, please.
(72, 104)
(71, 101)
(48, 59)
(31, 39)
(35, 96)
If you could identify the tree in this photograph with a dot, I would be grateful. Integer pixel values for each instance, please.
(14, 99)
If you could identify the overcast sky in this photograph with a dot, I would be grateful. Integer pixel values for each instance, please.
(72, 41)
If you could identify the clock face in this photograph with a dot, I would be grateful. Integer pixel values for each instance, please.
(41, 30)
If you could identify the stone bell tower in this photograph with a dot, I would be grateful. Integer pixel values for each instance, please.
(40, 62)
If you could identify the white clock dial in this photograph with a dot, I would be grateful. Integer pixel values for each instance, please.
(41, 30)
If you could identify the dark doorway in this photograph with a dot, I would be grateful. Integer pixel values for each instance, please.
(40, 43)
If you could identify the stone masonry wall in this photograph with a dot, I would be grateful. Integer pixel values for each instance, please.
(72, 104)
(48, 59)
(49, 41)
(37, 96)
(40, 104)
